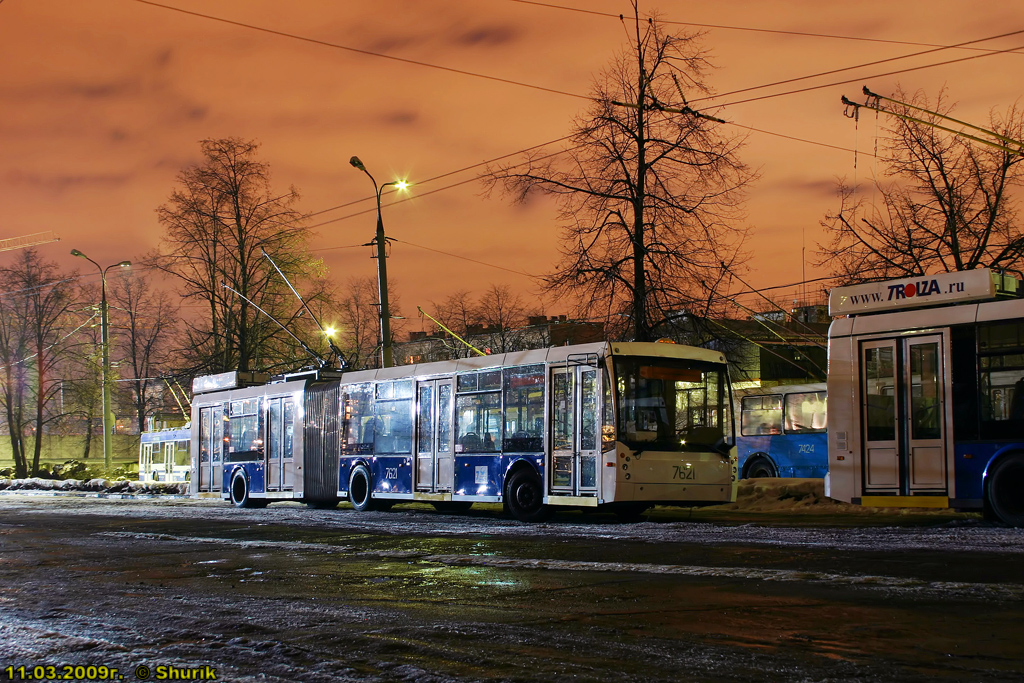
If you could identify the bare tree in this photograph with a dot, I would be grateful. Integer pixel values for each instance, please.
(458, 313)
(945, 203)
(358, 322)
(503, 315)
(144, 332)
(219, 222)
(649, 197)
(82, 391)
(33, 324)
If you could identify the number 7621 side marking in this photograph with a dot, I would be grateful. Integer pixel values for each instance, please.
(680, 472)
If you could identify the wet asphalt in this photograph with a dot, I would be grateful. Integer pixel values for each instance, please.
(165, 589)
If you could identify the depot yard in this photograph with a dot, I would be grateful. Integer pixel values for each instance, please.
(783, 585)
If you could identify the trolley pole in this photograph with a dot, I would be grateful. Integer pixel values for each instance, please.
(380, 241)
(108, 413)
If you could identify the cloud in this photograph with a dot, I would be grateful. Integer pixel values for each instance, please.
(400, 118)
(488, 36)
(61, 182)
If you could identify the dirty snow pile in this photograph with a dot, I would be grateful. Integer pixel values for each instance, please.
(94, 486)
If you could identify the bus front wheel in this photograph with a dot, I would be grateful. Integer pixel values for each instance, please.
(1005, 490)
(359, 488)
(240, 495)
(525, 497)
(761, 468)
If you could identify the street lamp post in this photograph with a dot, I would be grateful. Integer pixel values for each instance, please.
(108, 413)
(387, 358)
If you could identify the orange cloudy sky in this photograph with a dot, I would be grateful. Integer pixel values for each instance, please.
(104, 102)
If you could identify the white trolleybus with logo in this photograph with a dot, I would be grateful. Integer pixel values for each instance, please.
(615, 426)
(926, 394)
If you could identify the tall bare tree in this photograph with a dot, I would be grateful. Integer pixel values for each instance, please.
(649, 198)
(944, 203)
(218, 222)
(144, 333)
(358, 322)
(503, 314)
(34, 322)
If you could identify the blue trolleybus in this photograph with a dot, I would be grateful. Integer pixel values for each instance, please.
(926, 393)
(783, 432)
(616, 426)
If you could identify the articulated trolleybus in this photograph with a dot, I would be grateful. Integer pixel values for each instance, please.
(926, 394)
(616, 426)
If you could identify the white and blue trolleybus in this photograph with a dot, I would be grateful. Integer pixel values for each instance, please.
(615, 426)
(926, 393)
(164, 455)
(783, 431)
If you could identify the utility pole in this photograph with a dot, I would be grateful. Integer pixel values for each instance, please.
(387, 358)
(108, 413)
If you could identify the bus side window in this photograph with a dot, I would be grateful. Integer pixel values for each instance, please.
(761, 415)
(806, 412)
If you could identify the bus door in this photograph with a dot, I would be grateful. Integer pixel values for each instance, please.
(278, 451)
(904, 434)
(574, 430)
(211, 448)
(146, 462)
(170, 447)
(435, 464)
(272, 451)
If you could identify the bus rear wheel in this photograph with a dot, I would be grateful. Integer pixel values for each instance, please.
(761, 468)
(525, 497)
(240, 495)
(1005, 490)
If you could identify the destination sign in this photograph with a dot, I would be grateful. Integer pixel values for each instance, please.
(917, 292)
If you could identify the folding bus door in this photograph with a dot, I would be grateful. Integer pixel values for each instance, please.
(272, 452)
(574, 430)
(435, 466)
(146, 462)
(211, 448)
(168, 465)
(904, 392)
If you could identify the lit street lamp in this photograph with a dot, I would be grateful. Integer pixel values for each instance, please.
(108, 414)
(387, 359)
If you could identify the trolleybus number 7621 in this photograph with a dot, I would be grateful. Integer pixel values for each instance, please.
(683, 472)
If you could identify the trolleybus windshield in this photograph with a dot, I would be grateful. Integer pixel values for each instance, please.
(675, 405)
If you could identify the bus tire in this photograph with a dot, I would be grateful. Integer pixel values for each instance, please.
(453, 507)
(761, 468)
(360, 487)
(524, 497)
(1004, 490)
(240, 495)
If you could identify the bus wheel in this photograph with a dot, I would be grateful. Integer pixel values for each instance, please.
(525, 497)
(1005, 490)
(240, 496)
(452, 506)
(359, 489)
(761, 468)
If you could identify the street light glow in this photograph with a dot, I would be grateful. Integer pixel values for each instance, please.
(401, 185)
(329, 331)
